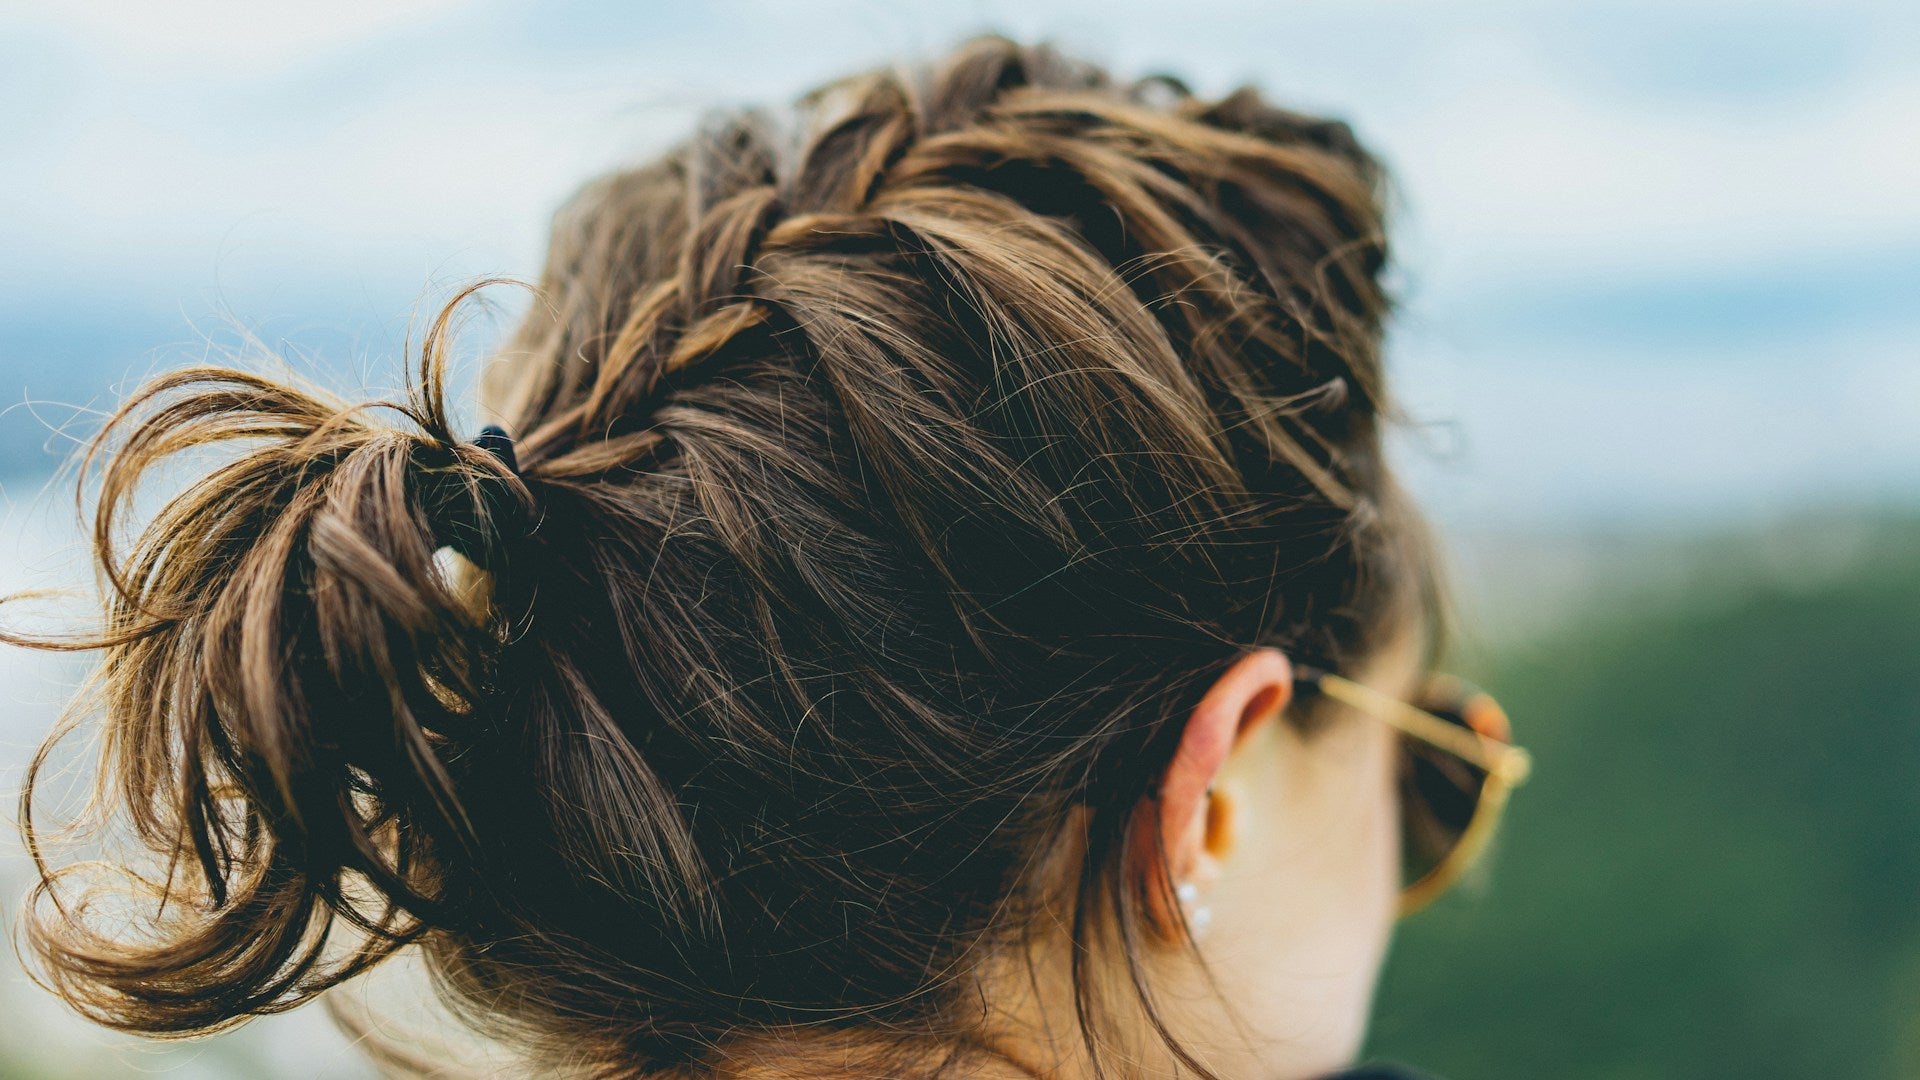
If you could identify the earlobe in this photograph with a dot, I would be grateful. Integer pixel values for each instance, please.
(1195, 819)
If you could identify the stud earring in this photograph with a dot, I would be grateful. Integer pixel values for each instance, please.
(1198, 914)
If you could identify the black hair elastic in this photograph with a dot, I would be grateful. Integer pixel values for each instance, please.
(494, 440)
(458, 523)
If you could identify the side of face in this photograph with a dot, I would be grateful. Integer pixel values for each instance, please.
(1300, 874)
(1290, 842)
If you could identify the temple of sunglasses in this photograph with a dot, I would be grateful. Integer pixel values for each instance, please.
(1442, 835)
(1497, 756)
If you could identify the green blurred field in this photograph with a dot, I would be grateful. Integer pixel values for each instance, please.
(1715, 871)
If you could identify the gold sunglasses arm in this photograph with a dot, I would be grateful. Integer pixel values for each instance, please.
(1509, 762)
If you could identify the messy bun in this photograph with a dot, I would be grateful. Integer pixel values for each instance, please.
(286, 672)
(887, 481)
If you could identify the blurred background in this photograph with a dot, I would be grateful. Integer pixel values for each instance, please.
(1660, 268)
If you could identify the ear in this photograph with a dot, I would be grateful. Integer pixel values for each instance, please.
(1195, 826)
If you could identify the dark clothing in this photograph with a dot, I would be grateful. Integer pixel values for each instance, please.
(1379, 1072)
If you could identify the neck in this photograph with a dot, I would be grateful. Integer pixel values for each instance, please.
(843, 1055)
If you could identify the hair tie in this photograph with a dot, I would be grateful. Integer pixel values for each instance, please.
(494, 440)
(482, 531)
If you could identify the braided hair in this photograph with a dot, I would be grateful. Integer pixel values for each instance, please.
(889, 479)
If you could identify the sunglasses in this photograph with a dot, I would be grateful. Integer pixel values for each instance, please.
(1458, 766)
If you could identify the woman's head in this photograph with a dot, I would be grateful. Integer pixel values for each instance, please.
(918, 504)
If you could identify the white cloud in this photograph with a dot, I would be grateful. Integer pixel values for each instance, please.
(1507, 166)
(1512, 168)
(224, 38)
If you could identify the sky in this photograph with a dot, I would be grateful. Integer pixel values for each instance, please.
(1657, 260)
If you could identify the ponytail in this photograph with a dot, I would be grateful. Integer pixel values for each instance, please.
(289, 676)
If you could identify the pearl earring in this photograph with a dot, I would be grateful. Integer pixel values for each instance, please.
(1198, 915)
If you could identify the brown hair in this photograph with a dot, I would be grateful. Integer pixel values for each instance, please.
(890, 484)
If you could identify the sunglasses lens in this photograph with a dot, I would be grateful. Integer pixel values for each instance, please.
(1440, 792)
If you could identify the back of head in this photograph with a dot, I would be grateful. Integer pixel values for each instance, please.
(889, 476)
